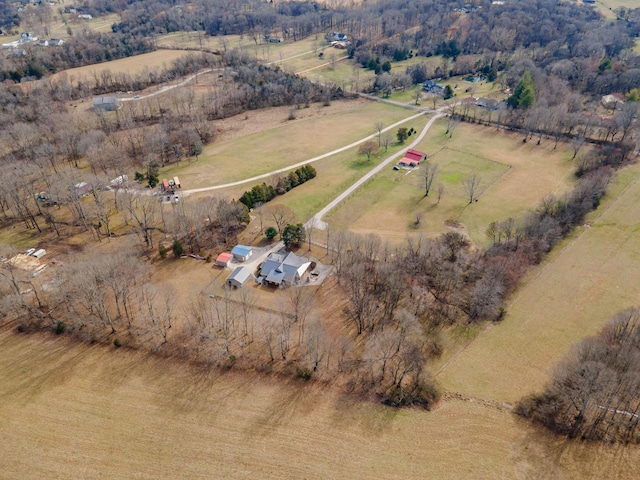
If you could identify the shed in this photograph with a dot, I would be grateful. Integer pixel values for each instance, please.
(239, 277)
(242, 253)
(82, 189)
(39, 253)
(176, 182)
(223, 259)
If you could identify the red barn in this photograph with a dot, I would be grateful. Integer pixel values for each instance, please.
(412, 158)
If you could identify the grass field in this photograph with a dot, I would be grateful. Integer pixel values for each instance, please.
(587, 279)
(278, 142)
(78, 411)
(514, 178)
(132, 65)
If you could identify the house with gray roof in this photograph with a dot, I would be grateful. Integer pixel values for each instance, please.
(108, 104)
(280, 269)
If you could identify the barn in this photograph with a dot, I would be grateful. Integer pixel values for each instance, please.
(224, 259)
(241, 253)
(412, 158)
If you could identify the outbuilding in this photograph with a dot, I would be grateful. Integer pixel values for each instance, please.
(224, 259)
(239, 277)
(242, 253)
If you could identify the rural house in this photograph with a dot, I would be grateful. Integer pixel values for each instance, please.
(242, 253)
(224, 259)
(239, 277)
(412, 158)
(107, 104)
(280, 269)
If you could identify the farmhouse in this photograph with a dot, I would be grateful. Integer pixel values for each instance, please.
(412, 158)
(242, 253)
(107, 104)
(239, 277)
(56, 42)
(224, 259)
(279, 269)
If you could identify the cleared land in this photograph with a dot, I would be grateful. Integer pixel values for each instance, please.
(593, 275)
(131, 65)
(514, 177)
(272, 142)
(93, 412)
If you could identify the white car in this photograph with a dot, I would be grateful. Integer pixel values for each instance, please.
(30, 251)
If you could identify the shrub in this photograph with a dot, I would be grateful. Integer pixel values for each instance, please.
(177, 248)
(162, 250)
(271, 233)
(60, 326)
(303, 373)
(116, 343)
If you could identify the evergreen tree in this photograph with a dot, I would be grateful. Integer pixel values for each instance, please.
(524, 95)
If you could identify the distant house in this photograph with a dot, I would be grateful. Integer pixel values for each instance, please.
(83, 188)
(412, 158)
(43, 43)
(242, 253)
(85, 16)
(56, 42)
(338, 37)
(239, 277)
(489, 103)
(119, 181)
(432, 87)
(107, 104)
(27, 37)
(613, 101)
(280, 269)
(223, 259)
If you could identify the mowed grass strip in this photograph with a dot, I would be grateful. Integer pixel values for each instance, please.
(69, 410)
(514, 177)
(285, 142)
(585, 280)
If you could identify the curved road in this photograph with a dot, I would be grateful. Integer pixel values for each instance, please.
(317, 222)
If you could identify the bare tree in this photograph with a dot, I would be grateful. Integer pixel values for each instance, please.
(386, 140)
(379, 127)
(430, 173)
(471, 185)
(281, 216)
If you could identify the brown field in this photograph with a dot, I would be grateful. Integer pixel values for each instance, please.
(132, 65)
(79, 411)
(587, 279)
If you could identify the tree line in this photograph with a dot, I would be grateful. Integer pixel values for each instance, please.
(594, 393)
(264, 193)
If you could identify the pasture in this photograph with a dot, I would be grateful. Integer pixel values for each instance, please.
(91, 411)
(514, 177)
(265, 140)
(585, 280)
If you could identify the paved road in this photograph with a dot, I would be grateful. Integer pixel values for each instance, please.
(299, 164)
(317, 222)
